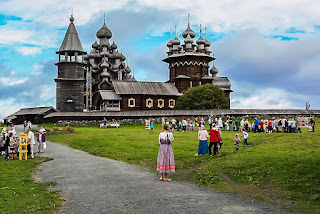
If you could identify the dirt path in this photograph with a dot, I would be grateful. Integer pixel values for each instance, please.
(93, 184)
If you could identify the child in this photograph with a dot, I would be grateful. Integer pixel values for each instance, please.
(151, 125)
(245, 136)
(236, 142)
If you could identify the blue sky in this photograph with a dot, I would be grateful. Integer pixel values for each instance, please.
(268, 49)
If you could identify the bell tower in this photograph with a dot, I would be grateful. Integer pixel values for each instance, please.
(70, 83)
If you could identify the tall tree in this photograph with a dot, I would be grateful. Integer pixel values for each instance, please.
(206, 96)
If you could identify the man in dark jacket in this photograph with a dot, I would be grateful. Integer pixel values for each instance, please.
(6, 139)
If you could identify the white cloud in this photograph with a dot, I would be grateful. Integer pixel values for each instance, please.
(36, 69)
(18, 33)
(12, 80)
(37, 66)
(10, 36)
(48, 93)
(8, 106)
(251, 58)
(219, 16)
(60, 10)
(269, 98)
(28, 50)
(230, 15)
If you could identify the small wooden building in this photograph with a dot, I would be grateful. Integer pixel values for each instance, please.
(34, 115)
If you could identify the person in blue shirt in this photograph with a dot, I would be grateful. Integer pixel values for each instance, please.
(256, 125)
(237, 125)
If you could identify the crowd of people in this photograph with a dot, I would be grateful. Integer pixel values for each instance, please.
(9, 141)
(165, 160)
(286, 125)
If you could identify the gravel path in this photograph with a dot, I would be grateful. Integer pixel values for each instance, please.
(94, 184)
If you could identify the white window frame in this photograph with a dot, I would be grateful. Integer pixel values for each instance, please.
(160, 106)
(134, 102)
(174, 103)
(149, 105)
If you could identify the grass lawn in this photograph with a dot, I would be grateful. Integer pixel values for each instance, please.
(281, 167)
(22, 193)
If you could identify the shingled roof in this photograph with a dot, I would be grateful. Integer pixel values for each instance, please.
(147, 88)
(109, 95)
(31, 111)
(187, 113)
(71, 41)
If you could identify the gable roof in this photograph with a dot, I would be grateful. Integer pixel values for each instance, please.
(31, 111)
(146, 88)
(109, 95)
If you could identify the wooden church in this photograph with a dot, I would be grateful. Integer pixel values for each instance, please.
(101, 80)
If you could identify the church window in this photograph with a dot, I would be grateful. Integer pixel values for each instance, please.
(172, 103)
(149, 103)
(69, 100)
(160, 103)
(132, 102)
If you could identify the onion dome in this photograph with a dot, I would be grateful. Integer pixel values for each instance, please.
(104, 63)
(169, 44)
(207, 43)
(188, 39)
(123, 58)
(71, 18)
(105, 74)
(175, 41)
(188, 31)
(104, 32)
(127, 69)
(95, 45)
(116, 55)
(200, 41)
(214, 71)
(116, 66)
(114, 45)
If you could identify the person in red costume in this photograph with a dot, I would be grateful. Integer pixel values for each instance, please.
(215, 139)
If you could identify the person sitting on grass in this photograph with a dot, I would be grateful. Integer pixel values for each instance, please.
(165, 160)
(236, 142)
(203, 141)
(245, 136)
